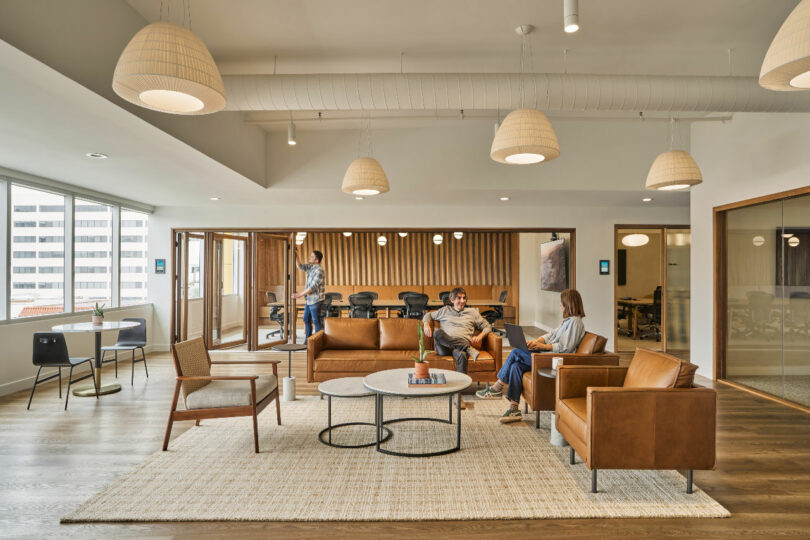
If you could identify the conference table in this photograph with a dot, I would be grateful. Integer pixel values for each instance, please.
(634, 304)
(387, 304)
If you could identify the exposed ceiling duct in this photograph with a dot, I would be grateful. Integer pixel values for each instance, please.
(547, 92)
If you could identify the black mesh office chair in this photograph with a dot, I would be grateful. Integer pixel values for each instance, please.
(799, 305)
(276, 316)
(362, 306)
(369, 293)
(326, 305)
(444, 296)
(403, 311)
(129, 339)
(50, 350)
(415, 305)
(496, 313)
(653, 315)
(333, 311)
(759, 310)
(623, 314)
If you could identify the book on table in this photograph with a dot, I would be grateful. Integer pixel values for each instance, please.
(435, 379)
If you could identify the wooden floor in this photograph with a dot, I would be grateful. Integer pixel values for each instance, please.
(51, 461)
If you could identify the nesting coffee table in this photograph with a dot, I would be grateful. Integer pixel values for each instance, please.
(394, 382)
(346, 387)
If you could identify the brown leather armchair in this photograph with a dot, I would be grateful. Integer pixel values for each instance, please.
(539, 392)
(645, 416)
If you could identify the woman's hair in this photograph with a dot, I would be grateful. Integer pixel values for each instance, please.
(572, 303)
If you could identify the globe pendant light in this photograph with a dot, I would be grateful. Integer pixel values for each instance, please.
(166, 68)
(787, 63)
(525, 136)
(365, 176)
(635, 240)
(674, 169)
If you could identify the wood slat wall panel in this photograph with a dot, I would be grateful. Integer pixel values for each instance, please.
(475, 259)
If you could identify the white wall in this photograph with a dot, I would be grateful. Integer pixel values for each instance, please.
(753, 155)
(18, 372)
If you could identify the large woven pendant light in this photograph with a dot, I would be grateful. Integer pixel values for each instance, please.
(674, 169)
(787, 63)
(525, 136)
(166, 68)
(365, 176)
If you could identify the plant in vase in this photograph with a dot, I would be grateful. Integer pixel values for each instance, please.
(98, 314)
(420, 367)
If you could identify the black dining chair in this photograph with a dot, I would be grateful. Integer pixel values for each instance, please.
(333, 311)
(496, 313)
(362, 306)
(404, 310)
(415, 305)
(129, 339)
(50, 350)
(276, 316)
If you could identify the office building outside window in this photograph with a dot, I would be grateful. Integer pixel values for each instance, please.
(134, 264)
(92, 233)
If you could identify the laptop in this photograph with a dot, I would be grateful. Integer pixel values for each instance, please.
(517, 339)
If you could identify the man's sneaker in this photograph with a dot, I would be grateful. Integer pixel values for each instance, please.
(473, 353)
(511, 415)
(489, 393)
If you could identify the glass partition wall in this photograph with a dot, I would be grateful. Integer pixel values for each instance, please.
(767, 292)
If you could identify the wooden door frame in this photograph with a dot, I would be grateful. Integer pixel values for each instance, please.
(245, 277)
(663, 276)
(720, 256)
(253, 335)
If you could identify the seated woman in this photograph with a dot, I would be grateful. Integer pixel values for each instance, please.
(564, 339)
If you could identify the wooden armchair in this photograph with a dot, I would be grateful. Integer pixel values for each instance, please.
(218, 396)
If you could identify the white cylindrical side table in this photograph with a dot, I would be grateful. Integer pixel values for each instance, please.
(288, 382)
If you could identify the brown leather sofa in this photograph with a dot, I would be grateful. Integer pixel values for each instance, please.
(540, 392)
(645, 416)
(357, 347)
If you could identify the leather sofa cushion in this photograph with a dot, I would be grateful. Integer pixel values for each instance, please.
(399, 334)
(230, 393)
(652, 369)
(369, 361)
(591, 343)
(686, 376)
(573, 412)
(343, 333)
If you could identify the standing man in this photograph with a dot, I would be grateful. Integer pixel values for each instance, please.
(457, 335)
(314, 290)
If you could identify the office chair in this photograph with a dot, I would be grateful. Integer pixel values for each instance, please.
(50, 350)
(129, 339)
(623, 314)
(496, 313)
(653, 315)
(444, 296)
(276, 316)
(326, 305)
(369, 293)
(415, 305)
(362, 306)
(334, 311)
(799, 312)
(759, 310)
(403, 311)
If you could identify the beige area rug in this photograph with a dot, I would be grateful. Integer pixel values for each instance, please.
(210, 473)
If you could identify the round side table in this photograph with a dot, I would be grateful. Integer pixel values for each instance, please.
(346, 387)
(289, 380)
(556, 439)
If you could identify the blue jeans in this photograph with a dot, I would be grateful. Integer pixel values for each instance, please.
(312, 315)
(518, 363)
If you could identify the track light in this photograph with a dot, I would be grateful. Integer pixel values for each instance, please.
(291, 134)
(571, 16)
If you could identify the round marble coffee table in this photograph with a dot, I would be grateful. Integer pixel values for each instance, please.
(394, 382)
(346, 387)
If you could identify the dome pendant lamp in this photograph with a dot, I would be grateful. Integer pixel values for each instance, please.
(525, 136)
(166, 68)
(674, 169)
(365, 176)
(787, 63)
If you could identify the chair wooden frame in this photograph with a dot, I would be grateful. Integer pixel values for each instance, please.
(223, 412)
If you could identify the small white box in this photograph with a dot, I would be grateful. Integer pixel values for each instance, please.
(556, 362)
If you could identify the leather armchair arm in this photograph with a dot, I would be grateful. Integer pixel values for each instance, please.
(494, 346)
(573, 381)
(314, 346)
(652, 428)
(217, 377)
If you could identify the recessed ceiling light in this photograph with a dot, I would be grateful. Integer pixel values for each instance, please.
(347, 234)
(213, 198)
(96, 155)
(646, 199)
(504, 198)
(359, 198)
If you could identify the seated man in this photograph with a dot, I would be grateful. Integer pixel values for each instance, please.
(457, 333)
(563, 339)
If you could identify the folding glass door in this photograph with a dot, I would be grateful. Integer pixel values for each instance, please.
(271, 271)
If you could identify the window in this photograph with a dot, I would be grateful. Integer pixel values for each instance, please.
(134, 231)
(59, 223)
(87, 293)
(196, 266)
(52, 255)
(26, 298)
(90, 254)
(51, 269)
(24, 270)
(18, 224)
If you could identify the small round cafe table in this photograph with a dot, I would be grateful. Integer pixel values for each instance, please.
(97, 329)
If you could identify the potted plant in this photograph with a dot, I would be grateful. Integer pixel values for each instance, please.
(420, 367)
(98, 314)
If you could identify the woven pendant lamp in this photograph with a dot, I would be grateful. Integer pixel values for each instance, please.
(787, 63)
(673, 170)
(365, 176)
(166, 68)
(525, 136)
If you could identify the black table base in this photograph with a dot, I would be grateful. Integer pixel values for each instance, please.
(330, 427)
(381, 423)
